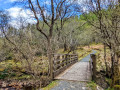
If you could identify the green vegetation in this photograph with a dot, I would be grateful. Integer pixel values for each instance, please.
(92, 85)
(10, 69)
(80, 51)
(110, 89)
(51, 85)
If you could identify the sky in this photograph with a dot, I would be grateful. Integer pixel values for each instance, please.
(6, 4)
(16, 12)
(9, 5)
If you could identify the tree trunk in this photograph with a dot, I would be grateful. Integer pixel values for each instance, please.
(112, 67)
(65, 47)
(105, 60)
(49, 54)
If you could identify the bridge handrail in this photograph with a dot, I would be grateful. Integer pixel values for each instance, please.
(62, 62)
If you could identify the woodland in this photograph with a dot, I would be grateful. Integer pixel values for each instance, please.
(63, 27)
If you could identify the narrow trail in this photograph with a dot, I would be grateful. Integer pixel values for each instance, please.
(75, 77)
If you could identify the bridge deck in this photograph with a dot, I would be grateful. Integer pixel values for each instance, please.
(78, 72)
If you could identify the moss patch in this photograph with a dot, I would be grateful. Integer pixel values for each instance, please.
(51, 85)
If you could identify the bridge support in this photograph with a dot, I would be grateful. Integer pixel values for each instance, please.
(93, 61)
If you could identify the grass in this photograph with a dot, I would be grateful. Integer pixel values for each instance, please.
(51, 85)
(110, 89)
(80, 51)
(9, 69)
(92, 85)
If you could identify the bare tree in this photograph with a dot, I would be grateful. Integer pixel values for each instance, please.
(107, 25)
(49, 14)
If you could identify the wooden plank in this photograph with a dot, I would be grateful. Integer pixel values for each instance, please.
(57, 65)
(57, 72)
(55, 61)
(78, 72)
(63, 61)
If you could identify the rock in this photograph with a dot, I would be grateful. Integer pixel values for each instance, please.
(83, 88)
(99, 88)
(4, 84)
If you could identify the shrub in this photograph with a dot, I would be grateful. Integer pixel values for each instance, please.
(4, 74)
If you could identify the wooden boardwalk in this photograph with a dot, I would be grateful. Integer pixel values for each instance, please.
(80, 71)
(77, 72)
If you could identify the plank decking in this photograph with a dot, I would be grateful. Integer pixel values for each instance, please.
(77, 72)
(80, 71)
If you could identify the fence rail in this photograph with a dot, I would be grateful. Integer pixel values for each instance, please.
(62, 62)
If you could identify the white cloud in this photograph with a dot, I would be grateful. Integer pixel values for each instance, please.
(81, 2)
(17, 13)
(13, 0)
(10, 1)
(47, 2)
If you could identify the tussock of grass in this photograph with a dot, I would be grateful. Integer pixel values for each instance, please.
(51, 85)
(92, 85)
(9, 69)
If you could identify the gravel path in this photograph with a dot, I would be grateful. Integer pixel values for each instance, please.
(75, 77)
(70, 85)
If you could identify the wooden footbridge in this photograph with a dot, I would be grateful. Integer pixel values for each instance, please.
(68, 67)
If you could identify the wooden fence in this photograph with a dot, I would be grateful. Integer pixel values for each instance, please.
(93, 66)
(62, 62)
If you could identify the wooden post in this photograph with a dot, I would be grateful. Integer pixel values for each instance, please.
(77, 58)
(53, 65)
(66, 58)
(93, 57)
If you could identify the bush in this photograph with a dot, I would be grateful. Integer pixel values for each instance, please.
(12, 74)
(4, 74)
(92, 85)
(38, 54)
(9, 56)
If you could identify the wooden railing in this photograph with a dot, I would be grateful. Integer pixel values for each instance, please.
(93, 66)
(62, 62)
